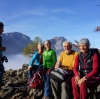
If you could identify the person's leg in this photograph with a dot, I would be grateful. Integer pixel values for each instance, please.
(47, 87)
(39, 67)
(94, 82)
(64, 91)
(83, 91)
(1, 72)
(76, 90)
(32, 71)
(67, 89)
(56, 89)
(35, 67)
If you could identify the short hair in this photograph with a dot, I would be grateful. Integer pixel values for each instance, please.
(67, 42)
(85, 41)
(1, 24)
(47, 41)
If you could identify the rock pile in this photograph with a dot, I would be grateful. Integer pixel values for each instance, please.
(16, 85)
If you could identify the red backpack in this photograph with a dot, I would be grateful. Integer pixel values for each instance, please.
(37, 80)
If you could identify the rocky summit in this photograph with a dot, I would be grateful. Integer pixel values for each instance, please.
(16, 85)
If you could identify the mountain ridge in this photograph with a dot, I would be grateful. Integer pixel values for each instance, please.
(16, 41)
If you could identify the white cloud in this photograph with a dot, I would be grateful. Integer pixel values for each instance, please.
(28, 12)
(15, 61)
(41, 11)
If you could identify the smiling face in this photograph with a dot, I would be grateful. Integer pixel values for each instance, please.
(47, 45)
(83, 48)
(67, 47)
(40, 48)
(84, 45)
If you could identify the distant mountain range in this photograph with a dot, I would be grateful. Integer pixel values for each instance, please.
(57, 42)
(15, 42)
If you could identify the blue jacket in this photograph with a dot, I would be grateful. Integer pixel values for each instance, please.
(36, 58)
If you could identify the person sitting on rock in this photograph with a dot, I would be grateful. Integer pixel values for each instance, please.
(65, 62)
(1, 49)
(37, 58)
(86, 68)
(49, 61)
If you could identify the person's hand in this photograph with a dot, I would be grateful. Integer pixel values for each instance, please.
(49, 70)
(77, 78)
(81, 81)
(29, 67)
(57, 65)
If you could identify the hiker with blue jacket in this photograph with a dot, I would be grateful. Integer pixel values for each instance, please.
(36, 61)
(1, 49)
(49, 61)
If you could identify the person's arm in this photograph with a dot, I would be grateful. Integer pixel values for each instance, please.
(54, 56)
(76, 66)
(32, 61)
(2, 48)
(95, 67)
(43, 55)
(76, 69)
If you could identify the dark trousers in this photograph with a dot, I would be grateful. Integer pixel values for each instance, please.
(1, 72)
(33, 70)
(62, 90)
(81, 92)
(47, 86)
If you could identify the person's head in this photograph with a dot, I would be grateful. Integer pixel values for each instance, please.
(67, 46)
(40, 47)
(1, 27)
(47, 44)
(84, 45)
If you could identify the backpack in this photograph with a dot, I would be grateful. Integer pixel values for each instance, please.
(59, 75)
(95, 50)
(37, 80)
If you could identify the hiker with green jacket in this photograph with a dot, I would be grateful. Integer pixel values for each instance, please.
(49, 61)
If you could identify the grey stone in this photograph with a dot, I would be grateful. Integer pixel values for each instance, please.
(17, 78)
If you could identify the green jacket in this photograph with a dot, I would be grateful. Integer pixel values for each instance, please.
(49, 58)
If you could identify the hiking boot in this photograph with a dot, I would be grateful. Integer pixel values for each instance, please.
(46, 98)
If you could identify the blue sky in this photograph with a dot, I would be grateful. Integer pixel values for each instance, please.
(72, 19)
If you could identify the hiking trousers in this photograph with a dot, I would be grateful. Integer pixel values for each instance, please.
(1, 72)
(62, 90)
(81, 92)
(47, 86)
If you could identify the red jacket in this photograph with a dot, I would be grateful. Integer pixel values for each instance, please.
(95, 66)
